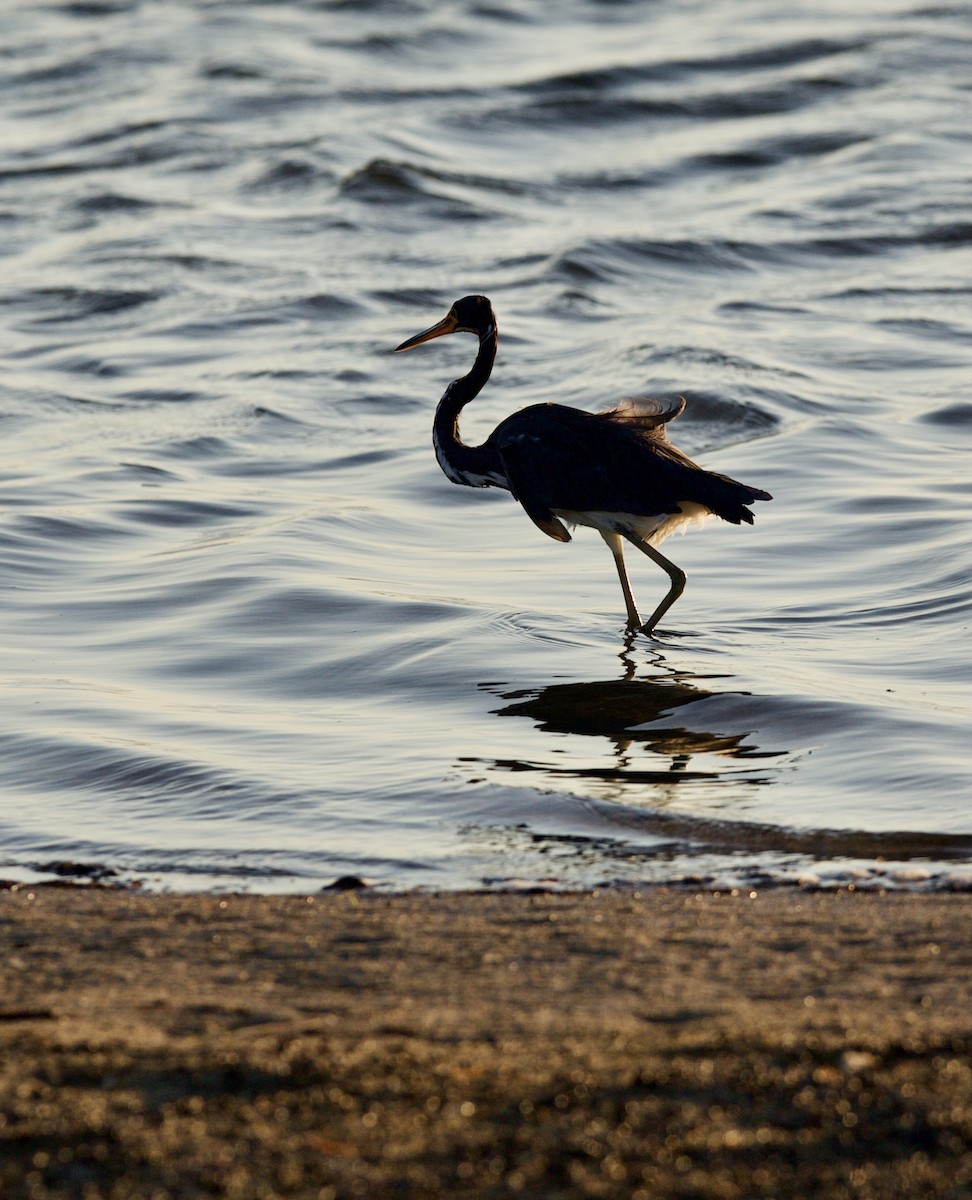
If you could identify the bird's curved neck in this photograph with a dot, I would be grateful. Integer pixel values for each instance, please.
(470, 465)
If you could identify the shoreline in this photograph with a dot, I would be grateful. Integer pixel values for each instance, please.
(633, 1043)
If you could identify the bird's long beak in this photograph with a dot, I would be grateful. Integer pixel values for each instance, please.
(446, 325)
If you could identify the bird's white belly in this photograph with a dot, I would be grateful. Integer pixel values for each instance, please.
(654, 528)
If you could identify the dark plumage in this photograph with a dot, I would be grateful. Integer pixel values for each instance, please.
(614, 471)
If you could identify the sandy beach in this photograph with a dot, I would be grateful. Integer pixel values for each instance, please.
(646, 1044)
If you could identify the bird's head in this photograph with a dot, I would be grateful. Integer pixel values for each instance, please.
(471, 314)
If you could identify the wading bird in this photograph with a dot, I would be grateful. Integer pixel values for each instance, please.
(614, 471)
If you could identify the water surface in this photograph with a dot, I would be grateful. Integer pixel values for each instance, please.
(252, 637)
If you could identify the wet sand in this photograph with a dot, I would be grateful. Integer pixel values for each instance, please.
(636, 1045)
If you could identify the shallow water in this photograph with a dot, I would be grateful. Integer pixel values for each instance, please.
(254, 638)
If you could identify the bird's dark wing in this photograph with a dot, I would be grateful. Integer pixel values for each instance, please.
(560, 458)
(564, 458)
(520, 454)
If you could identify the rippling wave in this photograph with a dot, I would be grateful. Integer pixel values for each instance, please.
(253, 638)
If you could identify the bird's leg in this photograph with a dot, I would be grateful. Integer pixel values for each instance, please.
(616, 547)
(675, 574)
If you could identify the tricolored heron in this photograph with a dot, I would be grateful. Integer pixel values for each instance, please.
(614, 471)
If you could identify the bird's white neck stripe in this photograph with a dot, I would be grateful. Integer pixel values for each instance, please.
(465, 478)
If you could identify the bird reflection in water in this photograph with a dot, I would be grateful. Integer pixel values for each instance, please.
(625, 714)
(631, 714)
